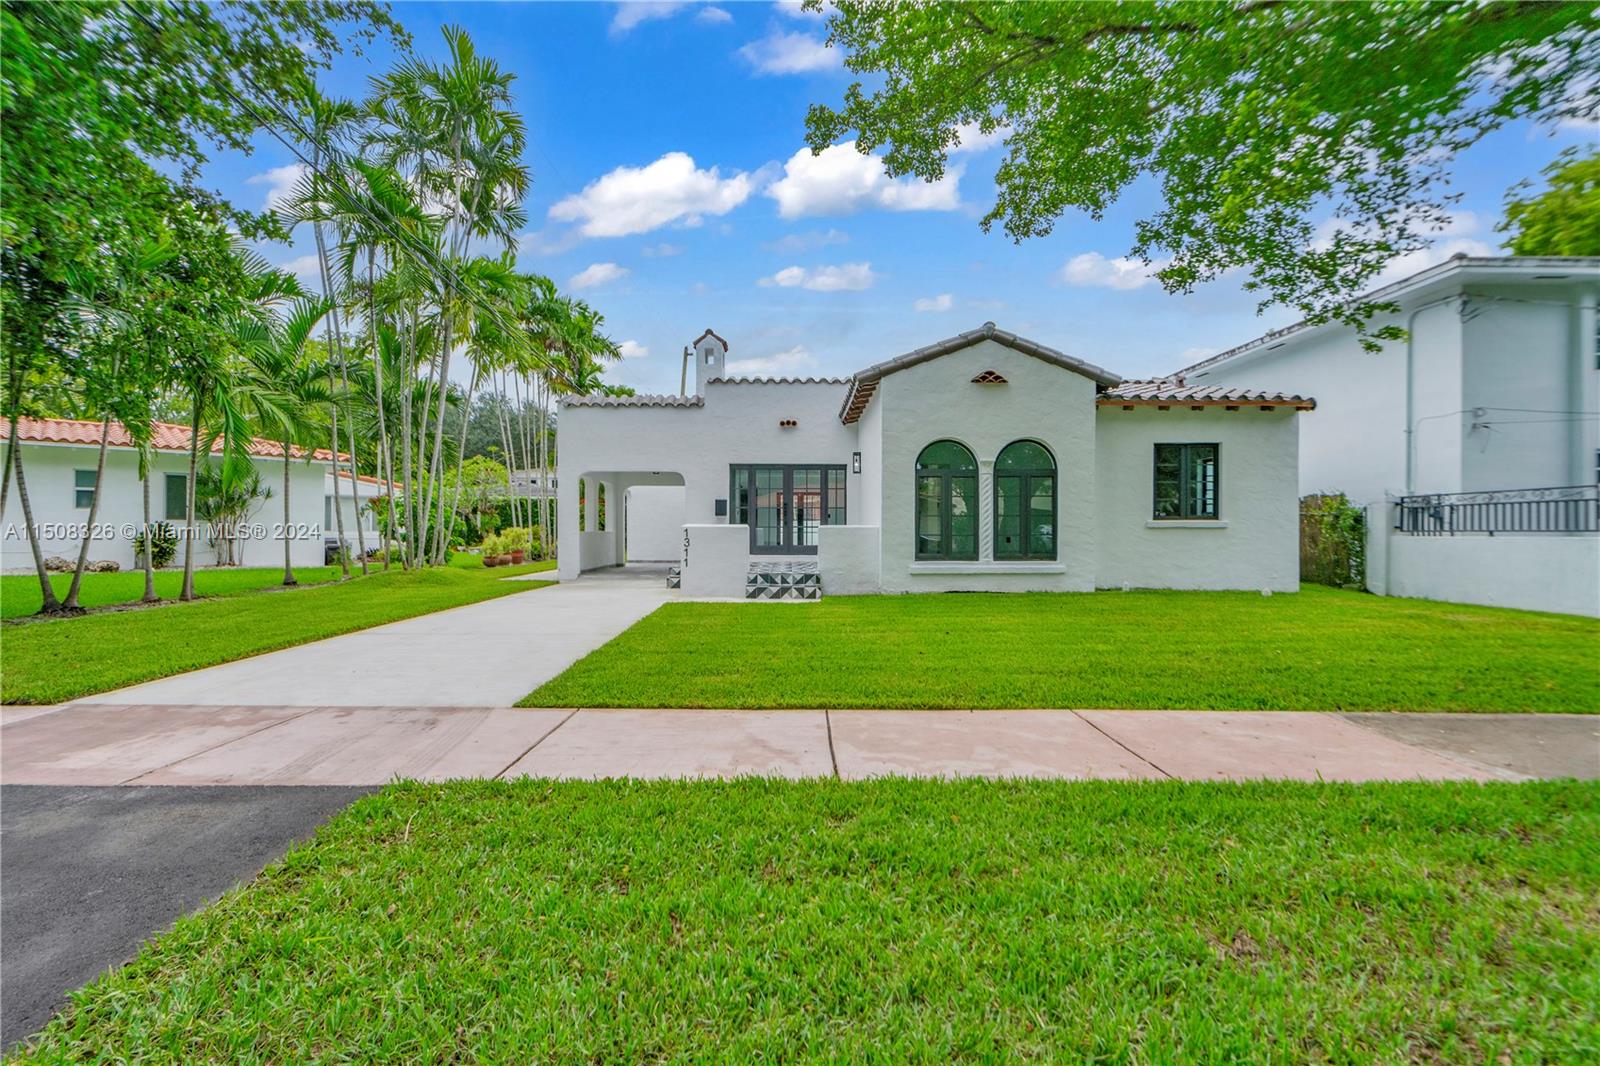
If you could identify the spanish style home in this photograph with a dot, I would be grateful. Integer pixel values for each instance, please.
(983, 462)
(59, 457)
(1474, 441)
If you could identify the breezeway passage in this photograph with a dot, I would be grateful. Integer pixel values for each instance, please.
(487, 654)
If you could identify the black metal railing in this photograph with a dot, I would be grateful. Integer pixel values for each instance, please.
(1572, 509)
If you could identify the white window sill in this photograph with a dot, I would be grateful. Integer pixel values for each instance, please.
(983, 567)
(1186, 523)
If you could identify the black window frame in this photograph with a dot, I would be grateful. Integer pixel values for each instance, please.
(834, 477)
(1025, 476)
(946, 478)
(1185, 477)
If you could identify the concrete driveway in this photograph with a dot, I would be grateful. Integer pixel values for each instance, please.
(483, 655)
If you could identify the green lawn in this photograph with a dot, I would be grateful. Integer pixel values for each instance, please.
(19, 593)
(1322, 649)
(892, 921)
(51, 661)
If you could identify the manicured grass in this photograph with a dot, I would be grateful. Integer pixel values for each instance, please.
(1321, 649)
(54, 661)
(19, 593)
(892, 921)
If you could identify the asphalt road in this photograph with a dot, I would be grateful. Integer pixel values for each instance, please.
(87, 875)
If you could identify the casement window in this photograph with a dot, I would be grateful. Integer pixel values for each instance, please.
(947, 502)
(1025, 502)
(785, 505)
(1187, 480)
(83, 486)
(177, 503)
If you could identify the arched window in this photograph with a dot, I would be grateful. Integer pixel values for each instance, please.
(947, 502)
(1025, 502)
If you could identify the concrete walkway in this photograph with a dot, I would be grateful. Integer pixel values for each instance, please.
(105, 744)
(487, 654)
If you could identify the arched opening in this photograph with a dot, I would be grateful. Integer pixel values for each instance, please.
(1025, 502)
(947, 502)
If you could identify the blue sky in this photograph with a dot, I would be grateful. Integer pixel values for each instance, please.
(670, 190)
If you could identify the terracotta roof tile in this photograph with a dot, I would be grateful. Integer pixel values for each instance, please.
(165, 436)
(632, 401)
(1174, 391)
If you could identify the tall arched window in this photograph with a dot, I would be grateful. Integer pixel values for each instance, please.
(1025, 502)
(947, 502)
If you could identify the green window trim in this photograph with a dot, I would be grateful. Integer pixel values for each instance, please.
(1025, 502)
(784, 504)
(177, 502)
(1187, 482)
(84, 484)
(946, 476)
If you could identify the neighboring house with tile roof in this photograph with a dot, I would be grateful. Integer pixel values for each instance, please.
(986, 461)
(59, 457)
(1475, 440)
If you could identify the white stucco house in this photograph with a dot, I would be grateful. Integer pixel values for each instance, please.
(59, 457)
(984, 462)
(1475, 442)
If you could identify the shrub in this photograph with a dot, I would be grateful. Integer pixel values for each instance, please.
(58, 564)
(164, 540)
(1333, 541)
(103, 566)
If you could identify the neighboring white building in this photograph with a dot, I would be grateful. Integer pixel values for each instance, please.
(356, 493)
(983, 462)
(59, 457)
(1476, 440)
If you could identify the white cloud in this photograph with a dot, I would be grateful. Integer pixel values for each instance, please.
(942, 302)
(795, 359)
(974, 140)
(634, 12)
(661, 251)
(712, 15)
(793, 9)
(1456, 237)
(597, 274)
(846, 277)
(549, 241)
(305, 269)
(1092, 268)
(640, 199)
(789, 53)
(805, 242)
(841, 180)
(280, 182)
(632, 350)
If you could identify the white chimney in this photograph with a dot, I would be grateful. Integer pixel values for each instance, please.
(710, 360)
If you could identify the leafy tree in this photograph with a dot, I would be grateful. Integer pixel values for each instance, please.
(1308, 143)
(1563, 219)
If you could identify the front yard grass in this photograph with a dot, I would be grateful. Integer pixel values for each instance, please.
(19, 593)
(1320, 649)
(890, 921)
(54, 660)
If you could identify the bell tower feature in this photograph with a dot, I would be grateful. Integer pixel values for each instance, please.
(710, 360)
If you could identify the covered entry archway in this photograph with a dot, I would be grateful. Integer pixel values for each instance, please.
(601, 531)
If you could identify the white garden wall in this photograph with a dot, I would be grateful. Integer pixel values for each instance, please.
(847, 557)
(715, 560)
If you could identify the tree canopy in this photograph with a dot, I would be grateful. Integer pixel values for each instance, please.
(1563, 218)
(1303, 142)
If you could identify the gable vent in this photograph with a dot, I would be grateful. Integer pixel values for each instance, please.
(990, 377)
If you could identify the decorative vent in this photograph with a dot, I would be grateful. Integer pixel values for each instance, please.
(787, 423)
(990, 377)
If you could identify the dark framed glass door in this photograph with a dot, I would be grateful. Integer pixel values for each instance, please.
(784, 505)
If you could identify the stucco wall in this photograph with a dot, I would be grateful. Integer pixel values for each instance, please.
(654, 523)
(937, 400)
(713, 560)
(1555, 572)
(739, 423)
(847, 557)
(1253, 544)
(49, 469)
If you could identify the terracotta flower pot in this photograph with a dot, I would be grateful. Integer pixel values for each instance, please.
(491, 560)
(516, 558)
(502, 560)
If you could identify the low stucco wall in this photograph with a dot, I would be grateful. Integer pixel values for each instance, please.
(715, 561)
(1532, 572)
(847, 557)
(597, 549)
